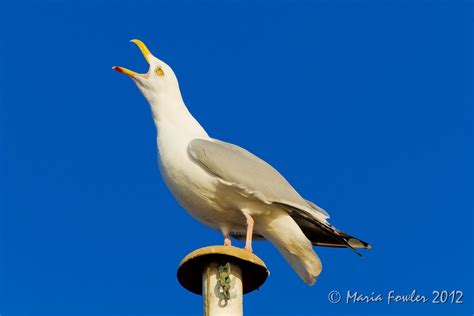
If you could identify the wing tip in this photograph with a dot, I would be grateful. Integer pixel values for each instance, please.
(359, 244)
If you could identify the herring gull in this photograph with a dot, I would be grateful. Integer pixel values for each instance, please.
(228, 188)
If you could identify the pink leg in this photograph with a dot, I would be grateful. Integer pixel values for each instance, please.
(226, 232)
(248, 240)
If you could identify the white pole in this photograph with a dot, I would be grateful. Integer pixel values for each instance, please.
(222, 289)
(222, 275)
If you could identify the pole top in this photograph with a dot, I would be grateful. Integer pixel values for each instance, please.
(254, 271)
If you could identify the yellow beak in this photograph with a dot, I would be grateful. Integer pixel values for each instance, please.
(146, 53)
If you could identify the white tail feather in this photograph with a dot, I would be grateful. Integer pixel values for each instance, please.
(285, 234)
(305, 263)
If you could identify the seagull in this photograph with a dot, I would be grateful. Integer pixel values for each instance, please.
(226, 187)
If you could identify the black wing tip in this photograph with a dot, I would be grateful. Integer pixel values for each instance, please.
(361, 245)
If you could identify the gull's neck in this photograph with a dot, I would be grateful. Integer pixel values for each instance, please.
(172, 118)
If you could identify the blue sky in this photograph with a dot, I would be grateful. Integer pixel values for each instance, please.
(365, 107)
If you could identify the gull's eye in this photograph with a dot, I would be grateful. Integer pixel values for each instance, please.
(160, 72)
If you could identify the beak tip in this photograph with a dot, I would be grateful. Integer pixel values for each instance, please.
(117, 69)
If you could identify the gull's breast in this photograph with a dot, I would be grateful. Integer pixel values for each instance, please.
(193, 187)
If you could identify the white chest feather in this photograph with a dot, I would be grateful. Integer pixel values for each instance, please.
(192, 187)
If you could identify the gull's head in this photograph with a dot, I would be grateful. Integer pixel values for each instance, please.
(160, 78)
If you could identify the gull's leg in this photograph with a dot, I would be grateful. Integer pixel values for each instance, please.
(226, 232)
(248, 240)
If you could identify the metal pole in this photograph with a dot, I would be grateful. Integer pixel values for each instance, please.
(222, 289)
(222, 275)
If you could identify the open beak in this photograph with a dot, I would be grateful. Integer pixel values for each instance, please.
(146, 53)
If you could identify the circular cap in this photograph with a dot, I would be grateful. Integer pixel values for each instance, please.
(254, 271)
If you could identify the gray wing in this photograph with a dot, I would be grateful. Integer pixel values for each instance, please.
(237, 167)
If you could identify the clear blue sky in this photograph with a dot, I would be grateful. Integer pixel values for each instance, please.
(365, 107)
